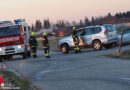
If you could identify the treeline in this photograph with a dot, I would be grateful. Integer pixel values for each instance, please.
(121, 17)
(39, 25)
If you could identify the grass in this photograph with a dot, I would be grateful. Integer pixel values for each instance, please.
(52, 43)
(10, 77)
(122, 55)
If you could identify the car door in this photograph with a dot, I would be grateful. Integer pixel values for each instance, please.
(80, 33)
(125, 38)
(87, 36)
(128, 35)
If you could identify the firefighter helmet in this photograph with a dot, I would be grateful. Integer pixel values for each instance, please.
(33, 34)
(74, 28)
(44, 34)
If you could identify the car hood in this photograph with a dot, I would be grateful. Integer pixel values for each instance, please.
(66, 39)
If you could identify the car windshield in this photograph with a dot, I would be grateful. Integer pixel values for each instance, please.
(9, 31)
(110, 27)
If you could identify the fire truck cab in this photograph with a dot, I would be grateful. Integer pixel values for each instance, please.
(14, 39)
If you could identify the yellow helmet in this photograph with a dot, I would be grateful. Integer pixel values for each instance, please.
(74, 28)
(44, 34)
(33, 34)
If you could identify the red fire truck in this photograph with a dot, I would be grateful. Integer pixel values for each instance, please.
(14, 39)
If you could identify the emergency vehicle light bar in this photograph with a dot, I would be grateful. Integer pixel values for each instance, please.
(18, 21)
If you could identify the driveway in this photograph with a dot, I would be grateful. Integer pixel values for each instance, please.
(89, 70)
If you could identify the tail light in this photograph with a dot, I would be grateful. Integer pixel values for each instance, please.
(106, 32)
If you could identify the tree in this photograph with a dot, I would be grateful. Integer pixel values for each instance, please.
(46, 23)
(32, 27)
(128, 14)
(81, 24)
(109, 15)
(38, 25)
(60, 24)
(93, 21)
(86, 22)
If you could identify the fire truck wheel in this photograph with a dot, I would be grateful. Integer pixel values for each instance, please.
(9, 57)
(28, 54)
(1, 59)
(24, 55)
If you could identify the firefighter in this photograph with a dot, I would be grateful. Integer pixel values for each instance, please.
(75, 40)
(45, 43)
(33, 44)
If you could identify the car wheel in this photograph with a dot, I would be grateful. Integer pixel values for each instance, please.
(1, 59)
(65, 49)
(97, 45)
(24, 55)
(28, 54)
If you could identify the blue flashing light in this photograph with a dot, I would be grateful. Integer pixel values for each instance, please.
(16, 22)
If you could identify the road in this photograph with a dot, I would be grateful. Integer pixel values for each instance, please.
(89, 70)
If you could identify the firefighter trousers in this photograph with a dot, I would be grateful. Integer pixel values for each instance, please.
(33, 51)
(46, 52)
(77, 49)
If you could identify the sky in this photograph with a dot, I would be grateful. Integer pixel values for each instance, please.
(71, 10)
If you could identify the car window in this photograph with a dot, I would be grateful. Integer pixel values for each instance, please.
(89, 31)
(127, 31)
(97, 30)
(80, 32)
(109, 28)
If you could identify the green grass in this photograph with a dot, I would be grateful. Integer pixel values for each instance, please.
(52, 44)
(10, 77)
(122, 55)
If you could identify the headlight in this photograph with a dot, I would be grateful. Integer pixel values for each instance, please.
(20, 46)
(1, 49)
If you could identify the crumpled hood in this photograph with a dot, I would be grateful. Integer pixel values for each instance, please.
(66, 39)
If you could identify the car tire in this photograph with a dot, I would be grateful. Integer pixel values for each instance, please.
(28, 54)
(1, 59)
(24, 55)
(97, 45)
(65, 49)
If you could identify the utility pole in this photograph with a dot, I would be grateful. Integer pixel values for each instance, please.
(119, 51)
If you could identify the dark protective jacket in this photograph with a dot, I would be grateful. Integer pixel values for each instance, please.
(75, 36)
(33, 41)
(45, 42)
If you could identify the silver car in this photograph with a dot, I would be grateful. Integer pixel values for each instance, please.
(126, 37)
(92, 36)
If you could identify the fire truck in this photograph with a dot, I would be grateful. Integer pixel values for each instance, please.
(14, 39)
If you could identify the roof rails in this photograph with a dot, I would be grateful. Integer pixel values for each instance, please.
(19, 21)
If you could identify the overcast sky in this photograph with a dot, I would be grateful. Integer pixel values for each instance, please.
(59, 9)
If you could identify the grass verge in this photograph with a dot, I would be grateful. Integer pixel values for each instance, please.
(123, 55)
(52, 43)
(10, 77)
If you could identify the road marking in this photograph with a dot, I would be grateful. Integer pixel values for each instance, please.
(39, 75)
(126, 79)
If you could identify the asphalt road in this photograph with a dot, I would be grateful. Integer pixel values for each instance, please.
(89, 70)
